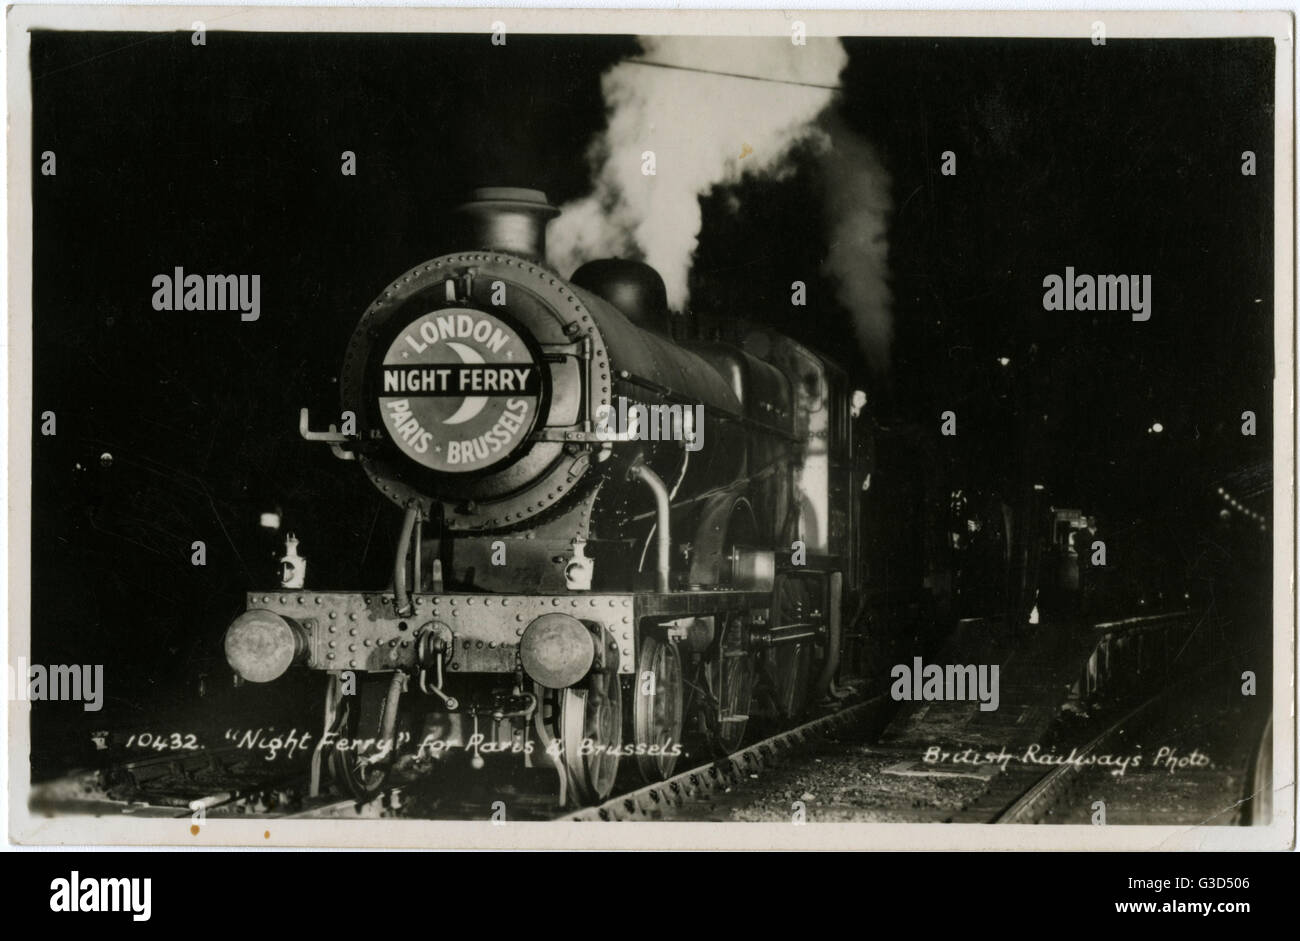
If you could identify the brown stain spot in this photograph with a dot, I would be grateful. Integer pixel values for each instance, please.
(267, 834)
(745, 151)
(194, 829)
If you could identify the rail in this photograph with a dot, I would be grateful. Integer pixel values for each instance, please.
(655, 800)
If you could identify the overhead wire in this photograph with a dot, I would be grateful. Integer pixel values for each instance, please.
(741, 75)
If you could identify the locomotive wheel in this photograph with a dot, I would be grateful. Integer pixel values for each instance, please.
(657, 707)
(789, 666)
(791, 673)
(362, 768)
(729, 678)
(591, 734)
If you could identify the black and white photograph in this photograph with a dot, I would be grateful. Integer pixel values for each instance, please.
(524, 428)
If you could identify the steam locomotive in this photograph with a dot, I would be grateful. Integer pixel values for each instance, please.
(612, 540)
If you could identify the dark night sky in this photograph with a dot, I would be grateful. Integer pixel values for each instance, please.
(1123, 159)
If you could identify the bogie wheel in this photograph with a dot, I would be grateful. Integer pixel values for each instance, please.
(657, 707)
(791, 673)
(790, 665)
(360, 757)
(590, 720)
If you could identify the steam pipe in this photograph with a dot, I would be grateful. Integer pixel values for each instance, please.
(396, 686)
(417, 539)
(401, 599)
(663, 536)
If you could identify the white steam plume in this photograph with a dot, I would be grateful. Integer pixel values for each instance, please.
(857, 206)
(705, 129)
(698, 125)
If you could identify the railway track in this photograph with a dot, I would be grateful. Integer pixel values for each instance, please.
(209, 780)
(1196, 768)
(1054, 787)
(225, 781)
(879, 778)
(653, 801)
(1184, 762)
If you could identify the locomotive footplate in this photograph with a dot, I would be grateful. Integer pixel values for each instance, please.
(478, 633)
(338, 631)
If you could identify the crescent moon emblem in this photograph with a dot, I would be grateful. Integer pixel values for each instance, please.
(473, 404)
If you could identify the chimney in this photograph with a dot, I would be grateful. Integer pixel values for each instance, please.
(509, 219)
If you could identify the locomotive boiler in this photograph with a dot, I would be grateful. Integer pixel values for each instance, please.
(612, 539)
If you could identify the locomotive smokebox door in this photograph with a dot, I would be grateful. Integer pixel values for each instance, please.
(460, 390)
